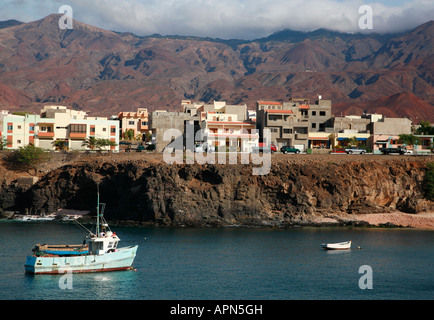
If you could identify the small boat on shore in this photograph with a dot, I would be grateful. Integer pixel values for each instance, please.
(337, 246)
(33, 218)
(99, 252)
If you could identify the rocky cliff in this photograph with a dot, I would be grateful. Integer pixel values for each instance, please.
(294, 192)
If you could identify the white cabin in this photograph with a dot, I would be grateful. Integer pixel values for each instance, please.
(104, 242)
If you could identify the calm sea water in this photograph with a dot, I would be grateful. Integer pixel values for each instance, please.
(230, 264)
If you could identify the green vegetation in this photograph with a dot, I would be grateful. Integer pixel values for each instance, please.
(60, 145)
(3, 144)
(27, 158)
(409, 139)
(129, 134)
(97, 144)
(428, 182)
(353, 142)
(425, 128)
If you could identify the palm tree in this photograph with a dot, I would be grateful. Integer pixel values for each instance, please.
(409, 139)
(60, 145)
(90, 143)
(353, 142)
(129, 134)
(102, 143)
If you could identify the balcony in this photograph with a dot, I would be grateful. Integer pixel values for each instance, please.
(77, 135)
(301, 136)
(45, 134)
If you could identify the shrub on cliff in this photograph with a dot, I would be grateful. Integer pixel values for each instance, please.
(428, 182)
(27, 158)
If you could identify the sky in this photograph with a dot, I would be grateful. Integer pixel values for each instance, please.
(229, 19)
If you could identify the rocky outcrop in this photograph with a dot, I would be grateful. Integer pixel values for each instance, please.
(294, 192)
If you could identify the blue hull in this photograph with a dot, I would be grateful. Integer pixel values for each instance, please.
(65, 253)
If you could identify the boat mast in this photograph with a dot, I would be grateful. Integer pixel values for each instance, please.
(97, 211)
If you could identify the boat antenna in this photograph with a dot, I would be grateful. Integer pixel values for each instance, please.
(100, 214)
(97, 210)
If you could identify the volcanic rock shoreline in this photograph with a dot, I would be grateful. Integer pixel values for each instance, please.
(297, 191)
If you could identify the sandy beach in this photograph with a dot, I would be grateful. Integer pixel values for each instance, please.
(419, 221)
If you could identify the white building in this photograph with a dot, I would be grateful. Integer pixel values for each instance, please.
(56, 123)
(226, 127)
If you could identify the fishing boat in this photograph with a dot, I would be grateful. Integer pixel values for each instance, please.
(98, 253)
(337, 246)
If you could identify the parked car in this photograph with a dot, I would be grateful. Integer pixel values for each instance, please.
(289, 149)
(355, 151)
(199, 148)
(126, 143)
(262, 147)
(400, 150)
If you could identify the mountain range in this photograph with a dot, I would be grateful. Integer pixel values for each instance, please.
(105, 72)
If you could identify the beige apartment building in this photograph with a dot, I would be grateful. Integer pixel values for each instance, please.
(223, 124)
(57, 123)
(293, 122)
(227, 127)
(137, 121)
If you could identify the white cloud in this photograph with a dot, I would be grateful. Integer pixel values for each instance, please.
(228, 18)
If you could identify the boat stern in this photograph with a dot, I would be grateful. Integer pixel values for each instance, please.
(30, 265)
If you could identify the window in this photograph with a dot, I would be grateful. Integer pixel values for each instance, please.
(32, 128)
(314, 113)
(274, 130)
(287, 130)
(104, 129)
(313, 125)
(78, 128)
(10, 127)
(131, 123)
(92, 129)
(113, 130)
(144, 123)
(275, 117)
(322, 113)
(19, 127)
(18, 141)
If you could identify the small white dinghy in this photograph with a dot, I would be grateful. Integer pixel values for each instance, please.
(337, 246)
